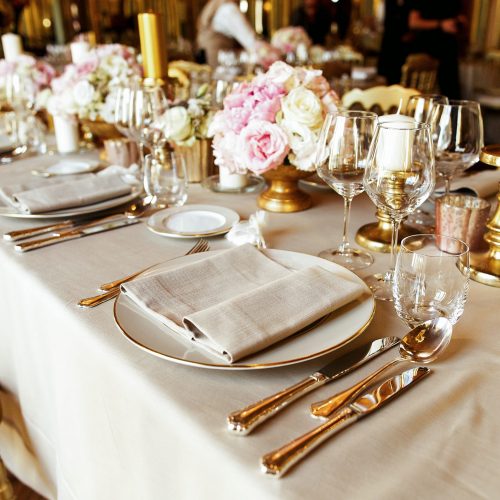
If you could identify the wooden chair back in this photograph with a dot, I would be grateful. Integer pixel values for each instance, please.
(420, 72)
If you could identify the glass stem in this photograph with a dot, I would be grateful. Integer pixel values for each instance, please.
(394, 242)
(344, 246)
(447, 183)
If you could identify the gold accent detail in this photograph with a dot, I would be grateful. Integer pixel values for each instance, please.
(99, 131)
(283, 193)
(377, 236)
(491, 155)
(153, 47)
(485, 267)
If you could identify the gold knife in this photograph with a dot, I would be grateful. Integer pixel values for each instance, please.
(74, 234)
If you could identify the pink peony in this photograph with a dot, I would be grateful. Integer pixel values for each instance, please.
(224, 147)
(263, 146)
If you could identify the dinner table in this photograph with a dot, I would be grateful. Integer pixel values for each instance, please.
(89, 414)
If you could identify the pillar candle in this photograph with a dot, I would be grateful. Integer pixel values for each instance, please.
(67, 136)
(231, 181)
(394, 151)
(79, 51)
(12, 46)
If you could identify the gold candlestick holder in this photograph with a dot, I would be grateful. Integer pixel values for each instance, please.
(377, 236)
(485, 266)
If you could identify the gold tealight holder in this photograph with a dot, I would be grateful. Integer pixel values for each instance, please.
(485, 266)
(377, 236)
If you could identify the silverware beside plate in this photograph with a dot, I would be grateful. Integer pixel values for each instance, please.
(242, 422)
(277, 462)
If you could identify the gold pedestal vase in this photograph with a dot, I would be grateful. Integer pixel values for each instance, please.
(283, 193)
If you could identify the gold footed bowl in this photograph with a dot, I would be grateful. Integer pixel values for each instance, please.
(283, 193)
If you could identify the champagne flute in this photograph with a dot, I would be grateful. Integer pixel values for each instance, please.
(431, 278)
(457, 132)
(399, 177)
(340, 161)
(420, 108)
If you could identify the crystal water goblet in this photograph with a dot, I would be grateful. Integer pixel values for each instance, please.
(341, 156)
(399, 177)
(431, 278)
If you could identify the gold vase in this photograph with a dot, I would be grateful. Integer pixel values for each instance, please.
(98, 131)
(283, 193)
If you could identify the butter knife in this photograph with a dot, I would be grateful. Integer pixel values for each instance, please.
(243, 421)
(74, 234)
(280, 460)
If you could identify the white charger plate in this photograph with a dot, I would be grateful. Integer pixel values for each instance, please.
(74, 212)
(333, 332)
(193, 221)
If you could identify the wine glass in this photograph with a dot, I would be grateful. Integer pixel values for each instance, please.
(431, 278)
(457, 133)
(148, 103)
(399, 177)
(165, 179)
(340, 161)
(420, 107)
(123, 109)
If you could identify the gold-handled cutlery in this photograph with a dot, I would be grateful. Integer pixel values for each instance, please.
(277, 462)
(422, 344)
(113, 287)
(242, 422)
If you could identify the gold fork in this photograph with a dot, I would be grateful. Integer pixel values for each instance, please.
(113, 288)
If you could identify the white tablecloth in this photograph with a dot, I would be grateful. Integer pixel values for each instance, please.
(106, 420)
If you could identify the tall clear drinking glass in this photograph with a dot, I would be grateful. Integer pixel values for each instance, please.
(431, 278)
(340, 161)
(398, 178)
(457, 133)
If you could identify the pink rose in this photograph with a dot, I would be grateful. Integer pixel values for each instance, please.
(263, 146)
(278, 73)
(90, 64)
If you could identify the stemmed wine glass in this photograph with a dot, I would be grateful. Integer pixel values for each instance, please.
(431, 278)
(148, 103)
(457, 133)
(399, 177)
(340, 161)
(420, 107)
(123, 109)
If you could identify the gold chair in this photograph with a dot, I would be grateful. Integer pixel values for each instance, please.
(420, 72)
(381, 99)
(6, 491)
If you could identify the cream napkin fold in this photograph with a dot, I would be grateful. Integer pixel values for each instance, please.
(69, 193)
(239, 301)
(482, 184)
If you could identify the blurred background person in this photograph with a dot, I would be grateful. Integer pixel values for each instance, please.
(222, 26)
(437, 26)
(316, 17)
(395, 40)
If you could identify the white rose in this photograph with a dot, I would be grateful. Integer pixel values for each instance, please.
(176, 124)
(279, 73)
(83, 93)
(302, 144)
(304, 107)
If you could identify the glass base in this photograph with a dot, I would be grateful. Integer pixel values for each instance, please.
(352, 259)
(380, 286)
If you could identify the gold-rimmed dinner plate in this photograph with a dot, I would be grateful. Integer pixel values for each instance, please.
(71, 167)
(333, 332)
(193, 221)
(74, 212)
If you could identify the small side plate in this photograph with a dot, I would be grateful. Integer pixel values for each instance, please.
(71, 167)
(193, 221)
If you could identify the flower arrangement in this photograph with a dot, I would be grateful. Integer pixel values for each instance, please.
(289, 39)
(88, 89)
(275, 119)
(183, 125)
(38, 74)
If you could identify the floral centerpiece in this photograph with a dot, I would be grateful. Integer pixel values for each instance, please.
(290, 38)
(36, 73)
(88, 89)
(271, 121)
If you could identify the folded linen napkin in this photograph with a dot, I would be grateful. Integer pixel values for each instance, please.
(482, 184)
(57, 193)
(239, 301)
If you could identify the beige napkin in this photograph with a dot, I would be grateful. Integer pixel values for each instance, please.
(239, 301)
(482, 184)
(55, 194)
